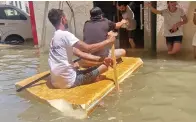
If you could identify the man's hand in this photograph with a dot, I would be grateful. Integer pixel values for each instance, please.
(112, 36)
(175, 27)
(111, 33)
(76, 65)
(108, 62)
(124, 21)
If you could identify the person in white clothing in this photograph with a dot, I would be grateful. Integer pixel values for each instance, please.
(174, 18)
(194, 37)
(63, 45)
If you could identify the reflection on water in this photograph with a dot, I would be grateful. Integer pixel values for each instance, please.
(163, 90)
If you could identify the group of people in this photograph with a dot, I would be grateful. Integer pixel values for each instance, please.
(99, 34)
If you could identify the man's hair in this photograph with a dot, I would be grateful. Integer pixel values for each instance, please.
(170, 1)
(123, 3)
(96, 11)
(55, 16)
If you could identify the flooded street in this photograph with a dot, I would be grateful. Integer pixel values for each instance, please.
(163, 90)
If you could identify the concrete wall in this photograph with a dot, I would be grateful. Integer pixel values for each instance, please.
(147, 28)
(188, 29)
(81, 10)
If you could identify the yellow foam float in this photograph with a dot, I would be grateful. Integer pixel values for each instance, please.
(79, 101)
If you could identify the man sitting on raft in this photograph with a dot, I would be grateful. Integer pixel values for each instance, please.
(62, 47)
(96, 30)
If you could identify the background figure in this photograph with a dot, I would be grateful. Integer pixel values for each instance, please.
(194, 37)
(174, 18)
(123, 8)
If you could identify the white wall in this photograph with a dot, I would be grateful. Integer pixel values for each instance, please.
(81, 10)
(20, 4)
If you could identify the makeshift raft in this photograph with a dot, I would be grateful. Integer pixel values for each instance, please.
(79, 100)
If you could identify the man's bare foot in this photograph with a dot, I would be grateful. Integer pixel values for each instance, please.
(171, 53)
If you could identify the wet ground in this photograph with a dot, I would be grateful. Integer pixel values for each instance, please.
(163, 90)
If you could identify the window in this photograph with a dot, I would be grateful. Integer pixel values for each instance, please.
(12, 14)
(20, 4)
(2, 14)
(11, 3)
(16, 2)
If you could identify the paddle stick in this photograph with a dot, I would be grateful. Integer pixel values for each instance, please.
(114, 68)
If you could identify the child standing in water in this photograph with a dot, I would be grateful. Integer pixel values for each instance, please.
(194, 38)
(174, 19)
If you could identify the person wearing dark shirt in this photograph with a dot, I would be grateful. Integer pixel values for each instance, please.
(96, 29)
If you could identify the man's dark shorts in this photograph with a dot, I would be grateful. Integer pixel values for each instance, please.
(131, 34)
(174, 39)
(86, 76)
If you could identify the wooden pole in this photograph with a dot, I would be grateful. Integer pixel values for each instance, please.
(114, 68)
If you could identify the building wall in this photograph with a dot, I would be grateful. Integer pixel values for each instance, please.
(81, 10)
(188, 29)
(147, 28)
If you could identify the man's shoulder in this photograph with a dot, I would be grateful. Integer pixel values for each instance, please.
(164, 11)
(87, 22)
(102, 20)
(63, 33)
(180, 10)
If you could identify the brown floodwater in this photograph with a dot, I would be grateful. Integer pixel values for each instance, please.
(163, 90)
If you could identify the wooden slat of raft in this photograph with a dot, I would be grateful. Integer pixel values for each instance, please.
(83, 94)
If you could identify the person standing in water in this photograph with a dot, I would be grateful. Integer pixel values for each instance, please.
(194, 37)
(122, 6)
(174, 19)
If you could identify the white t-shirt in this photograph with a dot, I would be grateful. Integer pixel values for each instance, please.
(170, 19)
(62, 71)
(129, 15)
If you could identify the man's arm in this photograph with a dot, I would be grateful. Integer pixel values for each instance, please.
(184, 21)
(86, 56)
(194, 17)
(180, 23)
(91, 48)
(153, 10)
(113, 25)
(119, 24)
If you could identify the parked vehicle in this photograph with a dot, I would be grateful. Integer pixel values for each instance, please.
(15, 25)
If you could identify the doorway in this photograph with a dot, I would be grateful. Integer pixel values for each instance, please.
(110, 12)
